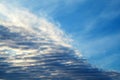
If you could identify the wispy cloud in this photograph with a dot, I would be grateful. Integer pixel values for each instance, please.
(100, 34)
(23, 18)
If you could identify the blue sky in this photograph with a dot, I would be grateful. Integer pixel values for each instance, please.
(94, 25)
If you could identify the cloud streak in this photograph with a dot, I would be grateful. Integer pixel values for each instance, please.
(31, 23)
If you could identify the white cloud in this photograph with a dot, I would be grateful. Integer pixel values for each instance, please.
(46, 36)
(23, 18)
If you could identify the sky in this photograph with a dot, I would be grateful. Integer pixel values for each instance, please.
(93, 25)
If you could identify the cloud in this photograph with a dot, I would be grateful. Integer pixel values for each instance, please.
(29, 43)
(23, 34)
(23, 18)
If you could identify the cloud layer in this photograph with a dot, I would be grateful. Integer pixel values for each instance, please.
(25, 34)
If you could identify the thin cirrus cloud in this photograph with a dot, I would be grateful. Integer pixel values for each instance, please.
(99, 36)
